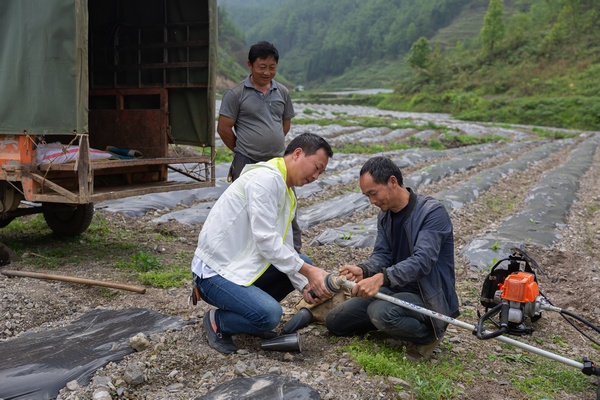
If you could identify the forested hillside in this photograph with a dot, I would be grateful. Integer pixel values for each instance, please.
(323, 39)
(524, 61)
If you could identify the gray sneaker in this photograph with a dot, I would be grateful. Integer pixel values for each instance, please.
(219, 341)
(421, 352)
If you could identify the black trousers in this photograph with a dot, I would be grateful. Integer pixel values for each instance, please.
(275, 283)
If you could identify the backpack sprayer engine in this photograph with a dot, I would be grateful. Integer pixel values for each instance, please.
(518, 298)
(512, 292)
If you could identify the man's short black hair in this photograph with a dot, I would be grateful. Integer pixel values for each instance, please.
(262, 50)
(381, 169)
(309, 143)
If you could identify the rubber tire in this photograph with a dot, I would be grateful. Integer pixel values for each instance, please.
(72, 222)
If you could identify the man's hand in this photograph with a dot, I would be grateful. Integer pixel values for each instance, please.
(309, 296)
(368, 287)
(352, 273)
(225, 131)
(316, 283)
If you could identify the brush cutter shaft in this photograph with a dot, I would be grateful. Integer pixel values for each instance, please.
(340, 281)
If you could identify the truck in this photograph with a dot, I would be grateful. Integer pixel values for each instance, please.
(100, 100)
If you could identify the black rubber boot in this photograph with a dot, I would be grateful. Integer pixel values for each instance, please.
(302, 318)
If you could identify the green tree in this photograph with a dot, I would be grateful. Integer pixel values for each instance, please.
(493, 27)
(419, 55)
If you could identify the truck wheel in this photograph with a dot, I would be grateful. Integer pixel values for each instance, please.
(71, 222)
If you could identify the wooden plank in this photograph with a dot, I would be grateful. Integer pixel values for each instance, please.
(101, 164)
(119, 192)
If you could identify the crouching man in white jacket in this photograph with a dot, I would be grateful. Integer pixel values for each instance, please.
(245, 262)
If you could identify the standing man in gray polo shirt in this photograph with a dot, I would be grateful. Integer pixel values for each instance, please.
(256, 115)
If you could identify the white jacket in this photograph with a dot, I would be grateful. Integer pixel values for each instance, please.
(247, 229)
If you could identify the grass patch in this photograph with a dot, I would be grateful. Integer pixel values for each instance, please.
(573, 112)
(152, 271)
(168, 278)
(360, 148)
(428, 381)
(551, 134)
(448, 141)
(530, 374)
(372, 121)
(536, 379)
(103, 242)
(32, 240)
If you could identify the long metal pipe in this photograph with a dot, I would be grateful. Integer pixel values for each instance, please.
(337, 282)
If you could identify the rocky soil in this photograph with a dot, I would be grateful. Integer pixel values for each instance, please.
(180, 364)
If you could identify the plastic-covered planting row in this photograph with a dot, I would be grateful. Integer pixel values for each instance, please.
(363, 234)
(547, 206)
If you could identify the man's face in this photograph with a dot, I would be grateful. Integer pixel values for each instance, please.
(379, 195)
(307, 169)
(263, 70)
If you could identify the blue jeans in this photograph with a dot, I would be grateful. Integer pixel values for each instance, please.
(359, 315)
(247, 309)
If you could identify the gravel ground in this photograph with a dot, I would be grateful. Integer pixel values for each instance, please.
(180, 364)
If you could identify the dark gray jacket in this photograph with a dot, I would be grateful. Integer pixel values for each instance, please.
(431, 264)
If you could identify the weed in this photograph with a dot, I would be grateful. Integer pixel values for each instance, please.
(558, 340)
(497, 206)
(517, 357)
(333, 339)
(436, 144)
(310, 111)
(352, 148)
(173, 277)
(152, 272)
(552, 134)
(495, 246)
(491, 264)
(140, 262)
(593, 209)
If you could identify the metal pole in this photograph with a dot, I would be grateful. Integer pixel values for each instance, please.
(341, 281)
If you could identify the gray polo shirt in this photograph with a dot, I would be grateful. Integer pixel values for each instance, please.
(258, 118)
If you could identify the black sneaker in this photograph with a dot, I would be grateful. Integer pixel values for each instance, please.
(217, 340)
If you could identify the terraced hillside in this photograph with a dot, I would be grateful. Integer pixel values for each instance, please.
(526, 187)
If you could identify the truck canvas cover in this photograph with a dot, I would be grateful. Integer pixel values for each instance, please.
(55, 53)
(43, 66)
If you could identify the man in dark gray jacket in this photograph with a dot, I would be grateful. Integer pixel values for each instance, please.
(412, 260)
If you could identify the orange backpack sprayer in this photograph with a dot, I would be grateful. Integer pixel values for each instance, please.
(511, 291)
